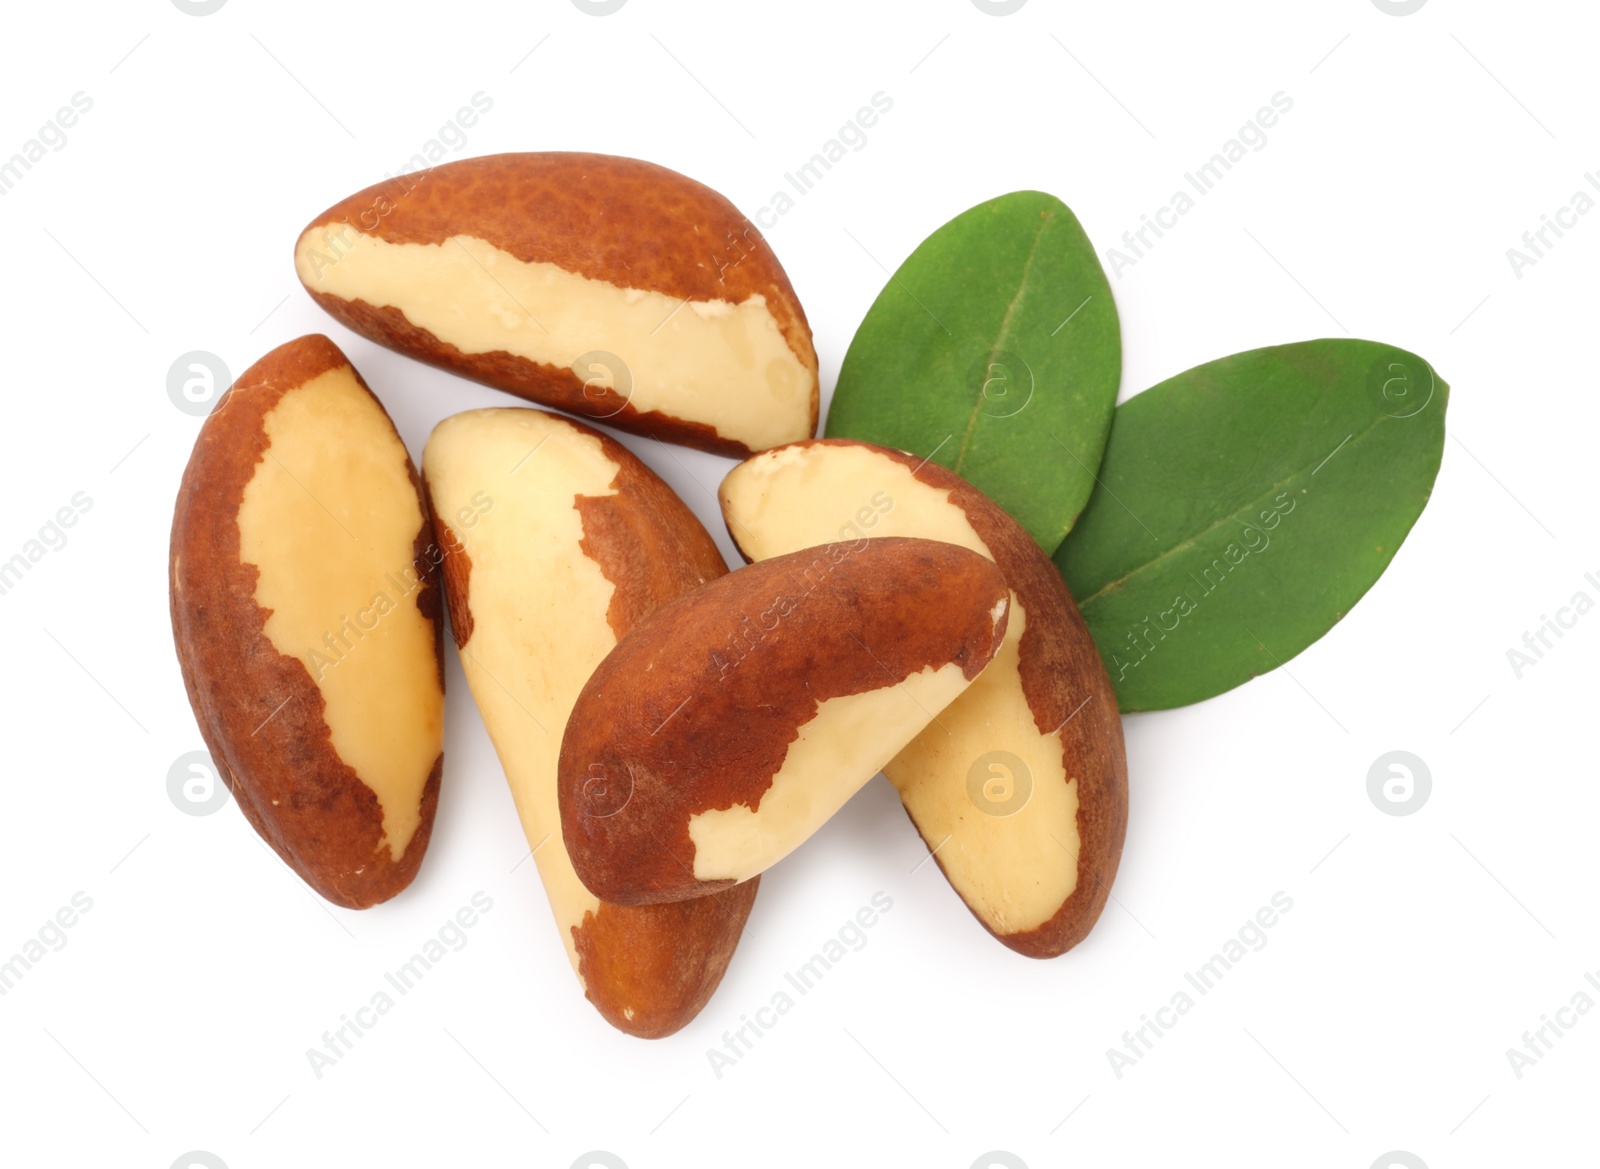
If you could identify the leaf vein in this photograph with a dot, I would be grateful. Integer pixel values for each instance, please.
(998, 344)
(1190, 541)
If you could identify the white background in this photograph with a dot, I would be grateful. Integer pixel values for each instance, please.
(1419, 948)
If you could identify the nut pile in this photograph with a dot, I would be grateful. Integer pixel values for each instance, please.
(669, 729)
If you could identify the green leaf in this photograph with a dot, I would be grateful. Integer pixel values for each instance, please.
(995, 351)
(1244, 506)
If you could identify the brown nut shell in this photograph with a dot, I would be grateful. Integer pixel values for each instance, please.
(306, 615)
(608, 287)
(559, 541)
(1022, 791)
(728, 726)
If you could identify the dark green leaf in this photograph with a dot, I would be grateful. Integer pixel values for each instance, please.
(1244, 506)
(995, 350)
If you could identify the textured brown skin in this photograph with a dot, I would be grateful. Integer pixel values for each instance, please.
(660, 962)
(644, 538)
(456, 571)
(305, 801)
(1060, 668)
(630, 223)
(885, 609)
